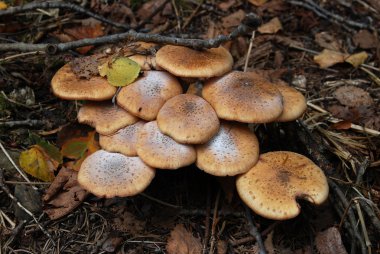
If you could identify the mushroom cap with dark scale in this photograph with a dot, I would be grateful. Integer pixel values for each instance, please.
(271, 187)
(188, 119)
(66, 85)
(243, 97)
(109, 175)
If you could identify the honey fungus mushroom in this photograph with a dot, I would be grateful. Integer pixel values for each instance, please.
(190, 63)
(66, 85)
(109, 175)
(271, 187)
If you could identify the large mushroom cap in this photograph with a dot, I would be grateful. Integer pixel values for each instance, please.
(66, 85)
(233, 150)
(161, 151)
(188, 119)
(243, 97)
(272, 186)
(105, 117)
(191, 63)
(123, 141)
(147, 95)
(294, 102)
(112, 174)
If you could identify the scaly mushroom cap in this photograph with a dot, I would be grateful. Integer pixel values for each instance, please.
(105, 117)
(243, 97)
(161, 151)
(272, 186)
(123, 141)
(191, 63)
(147, 95)
(66, 85)
(112, 174)
(188, 119)
(233, 150)
(294, 102)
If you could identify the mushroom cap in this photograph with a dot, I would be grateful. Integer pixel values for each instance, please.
(146, 62)
(66, 85)
(187, 62)
(233, 150)
(294, 102)
(243, 97)
(147, 94)
(105, 117)
(108, 174)
(123, 141)
(272, 186)
(161, 151)
(188, 119)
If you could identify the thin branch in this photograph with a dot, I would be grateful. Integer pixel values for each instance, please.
(60, 5)
(253, 231)
(28, 122)
(251, 19)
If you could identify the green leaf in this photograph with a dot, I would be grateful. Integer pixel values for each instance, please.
(121, 71)
(48, 148)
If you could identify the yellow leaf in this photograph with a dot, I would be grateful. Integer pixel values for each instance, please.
(357, 59)
(328, 58)
(272, 27)
(34, 162)
(3, 5)
(120, 72)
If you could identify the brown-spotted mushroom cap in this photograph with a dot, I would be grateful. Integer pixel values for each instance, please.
(243, 97)
(294, 102)
(272, 186)
(191, 63)
(123, 141)
(108, 174)
(66, 85)
(161, 151)
(188, 119)
(147, 94)
(233, 150)
(105, 117)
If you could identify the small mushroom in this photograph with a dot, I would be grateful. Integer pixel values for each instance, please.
(271, 187)
(105, 117)
(188, 119)
(243, 97)
(109, 175)
(123, 141)
(161, 151)
(233, 150)
(186, 62)
(147, 95)
(66, 85)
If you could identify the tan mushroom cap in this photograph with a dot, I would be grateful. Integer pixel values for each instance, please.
(233, 150)
(123, 141)
(161, 151)
(272, 186)
(66, 85)
(243, 97)
(147, 95)
(188, 119)
(146, 62)
(105, 117)
(108, 174)
(294, 102)
(187, 62)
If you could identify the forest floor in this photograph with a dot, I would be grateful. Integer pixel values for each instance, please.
(328, 50)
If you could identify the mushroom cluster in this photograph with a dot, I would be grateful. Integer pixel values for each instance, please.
(154, 125)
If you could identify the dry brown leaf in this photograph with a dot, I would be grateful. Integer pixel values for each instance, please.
(183, 242)
(87, 67)
(329, 241)
(357, 59)
(221, 247)
(225, 6)
(64, 194)
(365, 39)
(328, 41)
(127, 222)
(257, 2)
(233, 19)
(149, 7)
(342, 125)
(328, 58)
(271, 27)
(353, 96)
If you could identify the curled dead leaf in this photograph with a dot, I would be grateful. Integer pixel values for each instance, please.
(353, 96)
(182, 241)
(328, 58)
(271, 27)
(357, 59)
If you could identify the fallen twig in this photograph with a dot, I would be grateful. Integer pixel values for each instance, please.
(215, 221)
(28, 122)
(255, 232)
